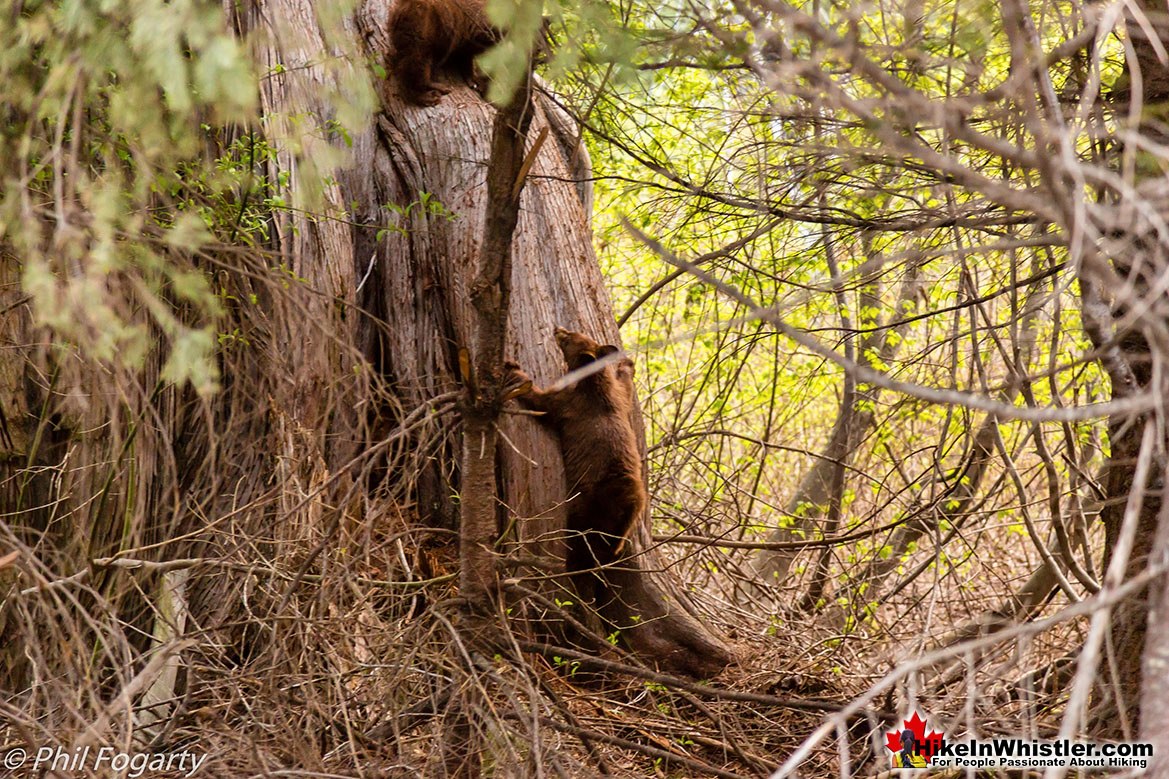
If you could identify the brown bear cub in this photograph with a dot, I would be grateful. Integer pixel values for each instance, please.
(431, 34)
(602, 465)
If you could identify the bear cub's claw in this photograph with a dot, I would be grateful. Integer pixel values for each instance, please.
(516, 381)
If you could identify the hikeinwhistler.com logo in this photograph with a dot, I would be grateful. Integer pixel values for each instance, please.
(917, 745)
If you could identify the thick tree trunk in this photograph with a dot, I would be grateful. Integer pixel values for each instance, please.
(108, 460)
(420, 283)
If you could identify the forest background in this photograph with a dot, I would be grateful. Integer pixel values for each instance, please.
(893, 278)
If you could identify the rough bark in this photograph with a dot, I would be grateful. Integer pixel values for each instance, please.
(479, 409)
(420, 284)
(260, 472)
(491, 297)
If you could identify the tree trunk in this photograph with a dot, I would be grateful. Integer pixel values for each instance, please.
(118, 478)
(420, 283)
(483, 394)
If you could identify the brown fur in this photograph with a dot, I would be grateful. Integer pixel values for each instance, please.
(602, 464)
(428, 35)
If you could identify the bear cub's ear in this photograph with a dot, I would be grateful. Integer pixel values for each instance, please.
(606, 350)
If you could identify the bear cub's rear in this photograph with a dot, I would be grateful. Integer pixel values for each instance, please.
(428, 35)
(602, 465)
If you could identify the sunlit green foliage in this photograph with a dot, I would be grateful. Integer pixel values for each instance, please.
(768, 184)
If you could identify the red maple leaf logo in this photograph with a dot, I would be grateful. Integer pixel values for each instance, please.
(926, 744)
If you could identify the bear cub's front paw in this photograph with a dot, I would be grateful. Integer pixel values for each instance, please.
(516, 381)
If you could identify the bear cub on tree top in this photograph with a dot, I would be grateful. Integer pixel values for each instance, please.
(432, 34)
(602, 466)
